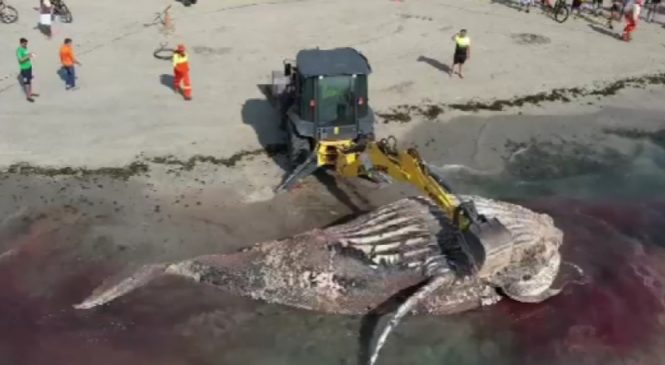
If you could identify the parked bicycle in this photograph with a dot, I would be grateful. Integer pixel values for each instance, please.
(162, 18)
(559, 11)
(164, 21)
(8, 14)
(61, 10)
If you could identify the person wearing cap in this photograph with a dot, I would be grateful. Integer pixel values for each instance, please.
(632, 16)
(462, 51)
(181, 72)
(24, 58)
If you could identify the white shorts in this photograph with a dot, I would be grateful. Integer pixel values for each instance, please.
(45, 19)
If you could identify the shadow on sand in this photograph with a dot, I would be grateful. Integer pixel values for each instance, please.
(604, 31)
(166, 80)
(262, 115)
(436, 64)
(508, 3)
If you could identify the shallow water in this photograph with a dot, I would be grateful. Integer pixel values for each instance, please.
(614, 313)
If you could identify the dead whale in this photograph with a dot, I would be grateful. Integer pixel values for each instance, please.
(354, 267)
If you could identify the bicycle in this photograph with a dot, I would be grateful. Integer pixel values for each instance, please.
(61, 10)
(560, 10)
(162, 18)
(8, 14)
(164, 53)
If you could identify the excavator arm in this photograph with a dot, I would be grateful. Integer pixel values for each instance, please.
(486, 242)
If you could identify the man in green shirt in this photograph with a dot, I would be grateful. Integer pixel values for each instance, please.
(25, 64)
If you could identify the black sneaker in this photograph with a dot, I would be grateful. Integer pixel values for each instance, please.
(30, 99)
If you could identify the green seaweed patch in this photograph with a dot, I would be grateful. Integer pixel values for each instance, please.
(657, 137)
(231, 161)
(538, 160)
(141, 167)
(403, 113)
(135, 168)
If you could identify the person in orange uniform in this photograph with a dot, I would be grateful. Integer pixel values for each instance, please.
(68, 60)
(181, 72)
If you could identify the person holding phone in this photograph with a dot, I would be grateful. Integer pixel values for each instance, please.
(24, 58)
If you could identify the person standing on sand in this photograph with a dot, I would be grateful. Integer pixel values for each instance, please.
(45, 17)
(462, 51)
(632, 17)
(526, 3)
(181, 72)
(24, 59)
(597, 7)
(653, 9)
(615, 13)
(68, 60)
(576, 6)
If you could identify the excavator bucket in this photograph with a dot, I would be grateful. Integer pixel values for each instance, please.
(489, 244)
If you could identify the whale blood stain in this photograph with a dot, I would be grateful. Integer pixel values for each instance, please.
(39, 326)
(617, 313)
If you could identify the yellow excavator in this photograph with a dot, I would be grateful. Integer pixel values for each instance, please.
(325, 112)
(480, 237)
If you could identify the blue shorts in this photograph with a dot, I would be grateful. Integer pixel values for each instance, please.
(26, 76)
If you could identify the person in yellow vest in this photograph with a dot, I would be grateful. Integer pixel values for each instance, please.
(462, 51)
(181, 72)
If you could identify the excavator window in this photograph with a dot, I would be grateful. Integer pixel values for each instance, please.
(338, 96)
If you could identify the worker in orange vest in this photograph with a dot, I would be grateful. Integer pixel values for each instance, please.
(181, 72)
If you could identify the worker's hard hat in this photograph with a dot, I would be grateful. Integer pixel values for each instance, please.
(180, 48)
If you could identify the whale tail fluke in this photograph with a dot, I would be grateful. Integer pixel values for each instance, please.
(115, 287)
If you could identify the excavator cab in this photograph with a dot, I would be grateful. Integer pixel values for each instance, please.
(323, 100)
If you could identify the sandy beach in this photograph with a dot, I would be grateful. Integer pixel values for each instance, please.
(123, 110)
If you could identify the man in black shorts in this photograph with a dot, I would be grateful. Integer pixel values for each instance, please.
(462, 51)
(24, 58)
(597, 7)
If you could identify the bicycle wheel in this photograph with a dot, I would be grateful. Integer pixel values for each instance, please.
(561, 14)
(163, 53)
(8, 14)
(64, 13)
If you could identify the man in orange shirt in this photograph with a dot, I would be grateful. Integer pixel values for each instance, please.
(68, 60)
(181, 72)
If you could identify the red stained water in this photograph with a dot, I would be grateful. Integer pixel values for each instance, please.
(38, 285)
(618, 314)
(617, 317)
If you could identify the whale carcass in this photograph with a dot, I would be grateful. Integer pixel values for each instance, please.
(355, 267)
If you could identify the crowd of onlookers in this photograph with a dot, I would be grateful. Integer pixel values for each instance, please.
(631, 10)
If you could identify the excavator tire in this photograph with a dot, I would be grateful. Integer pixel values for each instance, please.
(298, 147)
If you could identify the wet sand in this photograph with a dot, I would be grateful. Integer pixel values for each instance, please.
(600, 174)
